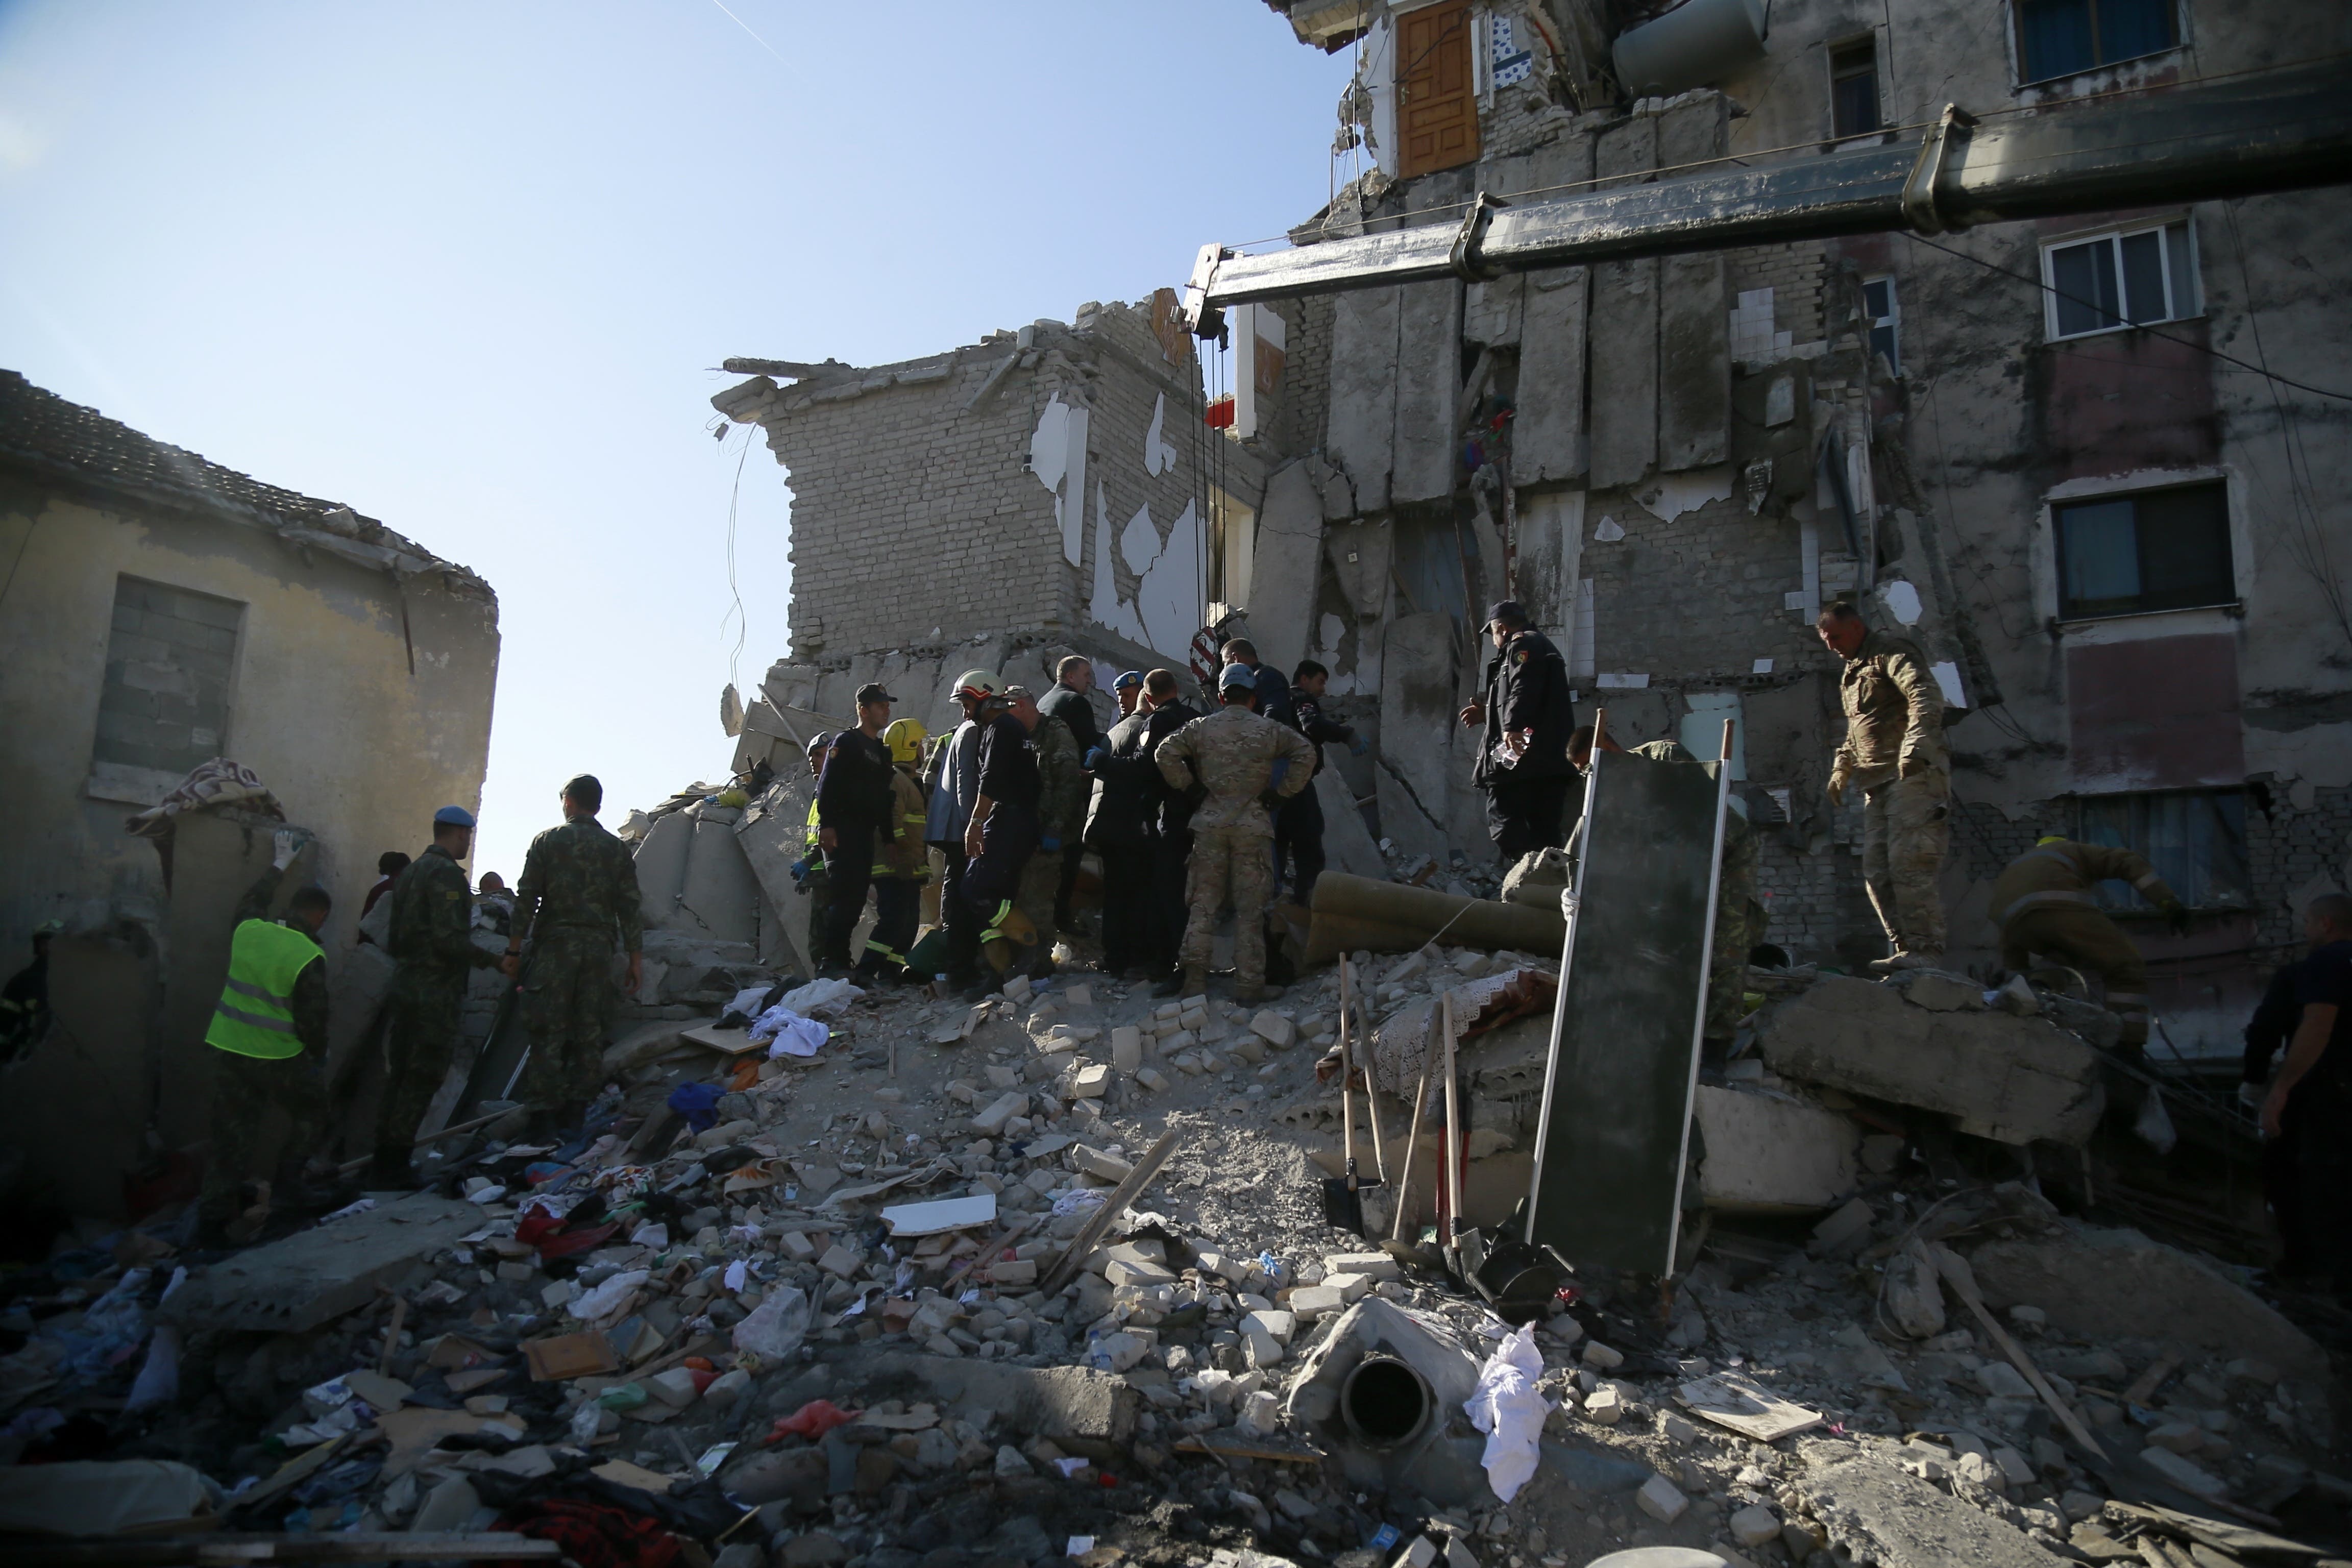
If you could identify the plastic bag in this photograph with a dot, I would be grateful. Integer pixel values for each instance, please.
(1508, 1408)
(698, 1103)
(591, 1305)
(774, 1329)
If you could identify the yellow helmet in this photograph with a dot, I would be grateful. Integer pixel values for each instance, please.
(2050, 838)
(905, 738)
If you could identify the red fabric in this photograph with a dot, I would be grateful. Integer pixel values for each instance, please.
(1219, 416)
(571, 1241)
(812, 1420)
(595, 1535)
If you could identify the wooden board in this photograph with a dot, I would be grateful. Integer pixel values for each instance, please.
(726, 1042)
(1609, 1150)
(560, 1356)
(1732, 1401)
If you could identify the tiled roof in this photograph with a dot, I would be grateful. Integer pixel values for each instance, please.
(43, 434)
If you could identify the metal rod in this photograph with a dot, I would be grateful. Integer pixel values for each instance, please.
(1412, 1138)
(1698, 1013)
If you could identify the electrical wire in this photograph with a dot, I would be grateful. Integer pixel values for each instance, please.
(736, 615)
(2166, 336)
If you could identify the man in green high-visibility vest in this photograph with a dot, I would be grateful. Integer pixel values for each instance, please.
(269, 1029)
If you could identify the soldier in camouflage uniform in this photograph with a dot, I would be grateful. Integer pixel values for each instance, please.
(578, 891)
(430, 940)
(1739, 914)
(1061, 818)
(1231, 755)
(1894, 750)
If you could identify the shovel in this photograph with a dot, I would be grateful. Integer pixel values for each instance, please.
(1343, 1196)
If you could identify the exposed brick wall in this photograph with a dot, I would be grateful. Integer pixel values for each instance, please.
(1793, 272)
(1700, 597)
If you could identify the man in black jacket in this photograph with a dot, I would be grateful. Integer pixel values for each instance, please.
(853, 805)
(1299, 826)
(1123, 828)
(1524, 721)
(1168, 815)
(1073, 679)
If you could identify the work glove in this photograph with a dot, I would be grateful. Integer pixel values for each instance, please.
(1358, 745)
(1095, 758)
(1049, 842)
(284, 844)
(1839, 778)
(2177, 918)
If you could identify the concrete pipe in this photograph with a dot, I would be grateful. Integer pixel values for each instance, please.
(1352, 913)
(1385, 1402)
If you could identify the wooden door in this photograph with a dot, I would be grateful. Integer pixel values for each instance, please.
(1437, 105)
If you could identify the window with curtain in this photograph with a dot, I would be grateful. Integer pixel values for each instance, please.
(2196, 839)
(2144, 550)
(2061, 37)
(2132, 278)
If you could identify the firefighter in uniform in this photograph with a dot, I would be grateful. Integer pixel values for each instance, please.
(2043, 902)
(902, 864)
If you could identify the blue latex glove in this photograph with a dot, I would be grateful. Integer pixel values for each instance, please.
(1095, 757)
(1358, 745)
(1050, 842)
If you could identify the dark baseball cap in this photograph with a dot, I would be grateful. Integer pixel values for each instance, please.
(1509, 612)
(872, 691)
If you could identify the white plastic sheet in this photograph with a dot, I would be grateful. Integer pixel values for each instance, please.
(1508, 1408)
(591, 1305)
(820, 997)
(775, 1328)
(787, 1033)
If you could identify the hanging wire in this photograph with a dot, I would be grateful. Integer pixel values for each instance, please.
(736, 614)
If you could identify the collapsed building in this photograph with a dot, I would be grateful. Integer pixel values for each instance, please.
(2107, 524)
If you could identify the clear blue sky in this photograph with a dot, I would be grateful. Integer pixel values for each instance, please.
(471, 268)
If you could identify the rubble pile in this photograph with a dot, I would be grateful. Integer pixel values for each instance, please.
(1046, 1279)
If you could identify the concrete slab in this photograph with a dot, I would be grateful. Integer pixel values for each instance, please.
(1428, 382)
(215, 857)
(1082, 1410)
(76, 1108)
(1624, 371)
(1417, 731)
(771, 833)
(721, 895)
(661, 867)
(1362, 431)
(1694, 364)
(1359, 554)
(1878, 1514)
(2112, 1284)
(1287, 571)
(1347, 844)
(321, 1273)
(2009, 1078)
(1548, 435)
(1769, 1155)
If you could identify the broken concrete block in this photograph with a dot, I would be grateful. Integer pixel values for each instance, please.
(1361, 432)
(993, 1121)
(1844, 1231)
(319, 1274)
(2002, 1381)
(1260, 1415)
(1278, 1323)
(1259, 1347)
(1597, 1354)
(1350, 1287)
(1274, 1030)
(1312, 1301)
(1152, 1078)
(1120, 1271)
(1754, 1525)
(1013, 1272)
(1881, 1153)
(2008, 1078)
(1370, 1265)
(1940, 993)
(1661, 1499)
(2178, 1471)
(674, 1388)
(1420, 1553)
(1091, 1082)
(1097, 1162)
(841, 1260)
(2108, 1285)
(1605, 1406)
(1127, 1047)
(1769, 1155)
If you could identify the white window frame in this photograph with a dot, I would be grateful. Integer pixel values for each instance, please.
(1892, 320)
(1830, 52)
(2114, 237)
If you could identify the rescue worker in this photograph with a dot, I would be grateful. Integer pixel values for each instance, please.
(1739, 913)
(1298, 826)
(269, 1031)
(431, 942)
(1893, 752)
(1004, 830)
(1073, 679)
(1047, 881)
(2044, 901)
(1229, 757)
(809, 879)
(1167, 908)
(1122, 820)
(388, 868)
(853, 799)
(2310, 1100)
(1523, 718)
(1127, 692)
(955, 786)
(901, 862)
(1273, 691)
(577, 896)
(25, 1002)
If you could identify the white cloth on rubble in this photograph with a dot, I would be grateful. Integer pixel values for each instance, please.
(1508, 1408)
(821, 997)
(789, 1034)
(1401, 1043)
(217, 782)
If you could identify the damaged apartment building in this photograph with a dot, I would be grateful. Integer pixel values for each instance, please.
(2092, 465)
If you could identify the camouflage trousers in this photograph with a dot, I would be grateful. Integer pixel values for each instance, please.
(2082, 938)
(1738, 926)
(569, 996)
(245, 1090)
(1236, 862)
(421, 1040)
(1905, 826)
